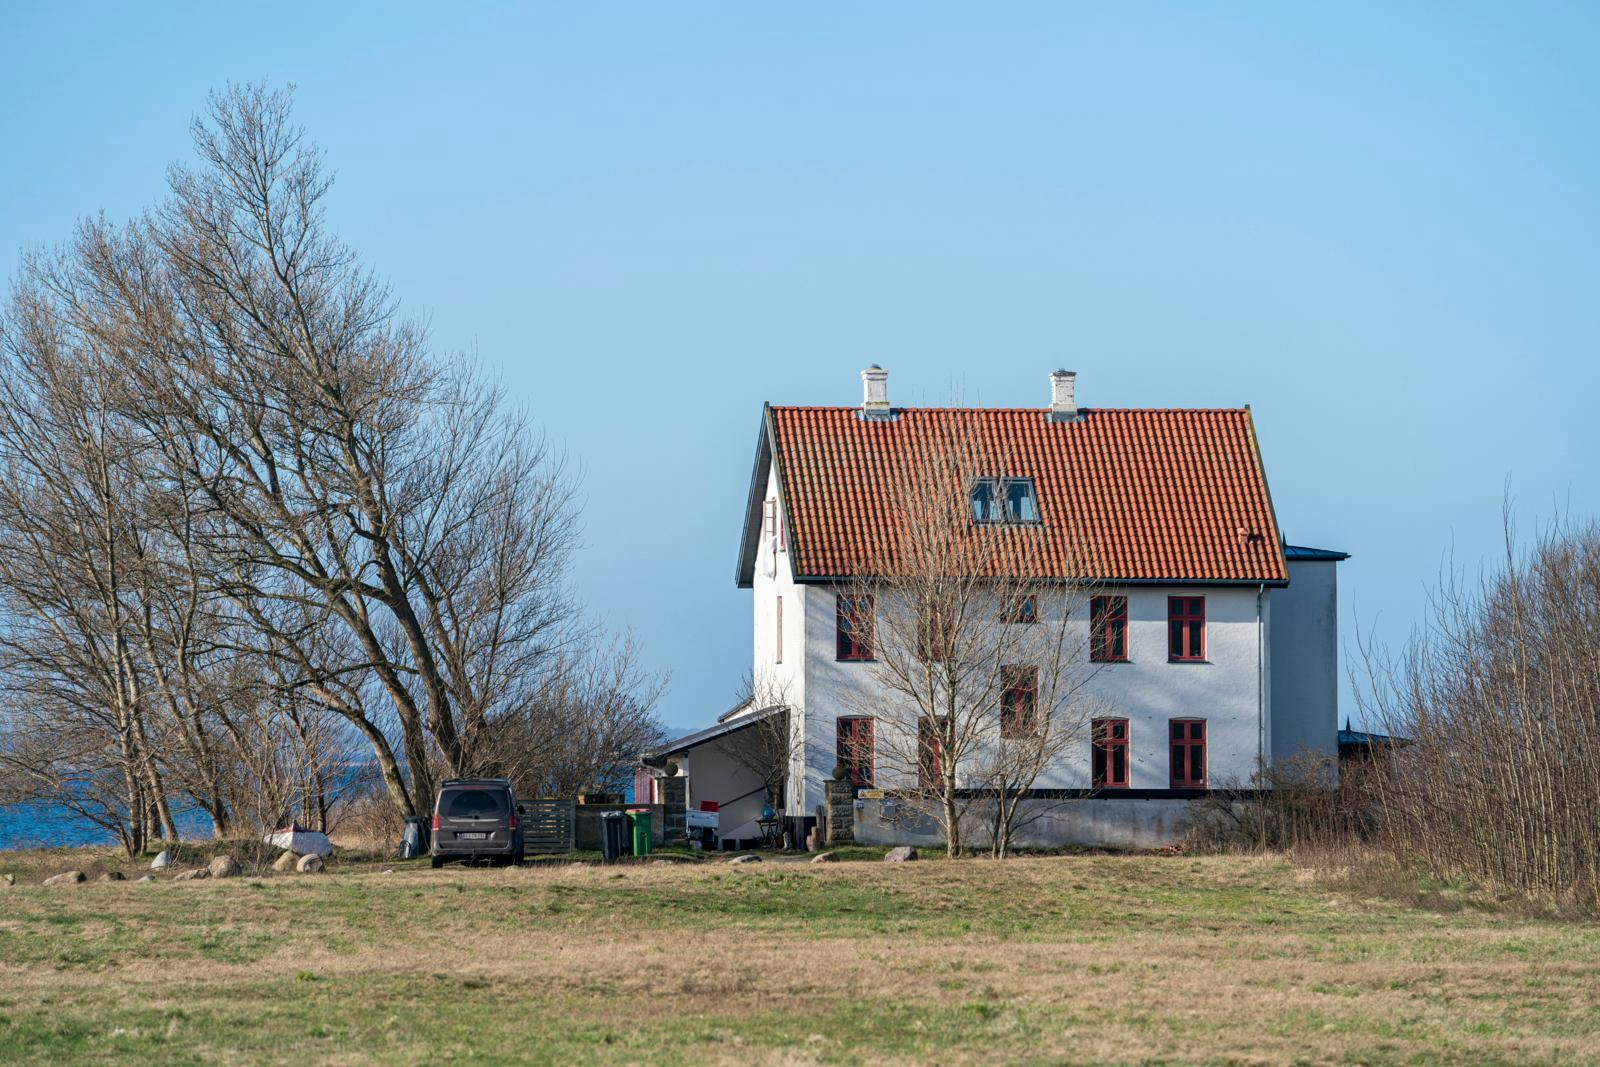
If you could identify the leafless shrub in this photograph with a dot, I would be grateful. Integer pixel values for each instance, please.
(1499, 696)
(1306, 804)
(585, 725)
(367, 820)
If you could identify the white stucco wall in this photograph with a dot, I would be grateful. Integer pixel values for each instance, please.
(1305, 661)
(715, 773)
(1231, 690)
(780, 679)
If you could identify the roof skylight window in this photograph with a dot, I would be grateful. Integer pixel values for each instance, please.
(1003, 500)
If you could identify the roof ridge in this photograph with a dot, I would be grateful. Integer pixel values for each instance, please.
(1038, 410)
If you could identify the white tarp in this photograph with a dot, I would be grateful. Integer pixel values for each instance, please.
(301, 842)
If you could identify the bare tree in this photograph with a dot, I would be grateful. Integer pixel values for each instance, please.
(977, 651)
(69, 644)
(1043, 719)
(585, 725)
(251, 519)
(343, 469)
(771, 745)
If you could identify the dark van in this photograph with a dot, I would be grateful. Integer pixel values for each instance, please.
(475, 819)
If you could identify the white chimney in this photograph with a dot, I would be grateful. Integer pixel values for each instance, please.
(875, 393)
(1064, 395)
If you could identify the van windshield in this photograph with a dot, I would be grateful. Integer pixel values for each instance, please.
(474, 804)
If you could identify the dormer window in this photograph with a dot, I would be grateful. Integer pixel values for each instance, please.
(1003, 500)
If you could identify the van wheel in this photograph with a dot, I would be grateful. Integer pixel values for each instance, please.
(436, 861)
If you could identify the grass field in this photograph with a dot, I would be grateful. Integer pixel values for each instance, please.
(1081, 959)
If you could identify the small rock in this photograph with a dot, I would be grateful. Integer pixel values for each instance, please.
(147, 878)
(903, 854)
(284, 862)
(388, 870)
(825, 857)
(746, 858)
(192, 876)
(8, 879)
(309, 865)
(66, 878)
(111, 876)
(162, 861)
(224, 867)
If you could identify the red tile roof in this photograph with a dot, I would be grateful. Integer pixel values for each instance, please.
(1154, 494)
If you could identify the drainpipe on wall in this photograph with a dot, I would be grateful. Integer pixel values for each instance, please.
(1261, 685)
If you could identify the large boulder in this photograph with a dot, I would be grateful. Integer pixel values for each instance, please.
(311, 864)
(284, 862)
(224, 867)
(903, 854)
(825, 857)
(162, 861)
(111, 876)
(66, 878)
(746, 858)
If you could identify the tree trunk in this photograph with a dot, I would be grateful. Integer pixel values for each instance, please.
(952, 820)
(393, 781)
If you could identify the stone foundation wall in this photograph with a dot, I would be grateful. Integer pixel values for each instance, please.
(674, 794)
(839, 825)
(1111, 822)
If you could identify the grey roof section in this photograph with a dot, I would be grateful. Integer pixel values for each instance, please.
(710, 733)
(1349, 737)
(736, 709)
(744, 573)
(1295, 552)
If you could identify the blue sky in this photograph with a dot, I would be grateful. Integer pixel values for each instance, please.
(1376, 224)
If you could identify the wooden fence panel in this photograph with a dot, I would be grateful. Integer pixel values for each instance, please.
(548, 825)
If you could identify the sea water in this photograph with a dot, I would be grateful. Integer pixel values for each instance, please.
(53, 826)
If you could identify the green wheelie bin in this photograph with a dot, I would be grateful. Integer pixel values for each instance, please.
(639, 825)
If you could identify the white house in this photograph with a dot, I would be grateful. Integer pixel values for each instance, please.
(1221, 646)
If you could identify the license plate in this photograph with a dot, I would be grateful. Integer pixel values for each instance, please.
(472, 837)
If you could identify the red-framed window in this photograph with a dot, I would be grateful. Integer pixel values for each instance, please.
(930, 752)
(1188, 741)
(854, 619)
(778, 622)
(1108, 629)
(1021, 609)
(1109, 754)
(1186, 628)
(854, 749)
(1019, 702)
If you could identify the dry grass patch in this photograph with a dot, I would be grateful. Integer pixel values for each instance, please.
(1121, 959)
